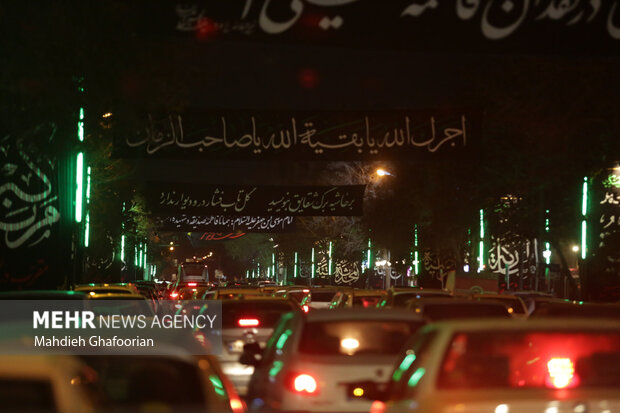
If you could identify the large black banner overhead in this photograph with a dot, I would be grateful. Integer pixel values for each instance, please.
(247, 135)
(224, 224)
(34, 239)
(496, 26)
(168, 199)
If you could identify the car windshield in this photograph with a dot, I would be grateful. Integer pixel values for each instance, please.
(356, 337)
(531, 359)
(266, 313)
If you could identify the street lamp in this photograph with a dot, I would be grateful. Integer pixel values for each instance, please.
(383, 172)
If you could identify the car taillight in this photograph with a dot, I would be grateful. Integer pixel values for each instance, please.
(192, 284)
(248, 322)
(174, 294)
(236, 405)
(377, 407)
(304, 383)
(561, 373)
(305, 308)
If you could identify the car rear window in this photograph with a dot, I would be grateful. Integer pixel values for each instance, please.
(25, 395)
(577, 310)
(323, 296)
(531, 359)
(446, 311)
(141, 382)
(356, 337)
(267, 313)
(401, 299)
(367, 301)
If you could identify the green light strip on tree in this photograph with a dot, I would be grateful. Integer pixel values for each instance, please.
(79, 179)
(87, 230)
(481, 263)
(312, 264)
(273, 264)
(87, 226)
(81, 126)
(416, 268)
(122, 248)
(584, 231)
(329, 264)
(369, 253)
(584, 225)
(145, 263)
(547, 254)
(296, 264)
(135, 255)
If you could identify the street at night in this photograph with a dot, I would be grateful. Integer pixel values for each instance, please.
(257, 206)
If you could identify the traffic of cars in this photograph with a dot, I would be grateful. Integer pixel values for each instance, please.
(339, 349)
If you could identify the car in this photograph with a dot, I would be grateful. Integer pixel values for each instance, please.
(296, 292)
(172, 381)
(437, 309)
(127, 304)
(186, 290)
(515, 305)
(107, 288)
(319, 361)
(358, 298)
(399, 296)
(562, 365)
(228, 293)
(321, 297)
(245, 321)
(45, 384)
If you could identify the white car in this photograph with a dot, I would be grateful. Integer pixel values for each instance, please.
(521, 366)
(322, 361)
(45, 383)
(250, 320)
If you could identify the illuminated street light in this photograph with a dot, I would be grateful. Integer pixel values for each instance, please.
(383, 172)
(575, 248)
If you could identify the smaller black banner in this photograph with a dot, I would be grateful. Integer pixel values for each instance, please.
(221, 223)
(176, 199)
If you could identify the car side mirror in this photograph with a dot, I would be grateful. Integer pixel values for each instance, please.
(251, 354)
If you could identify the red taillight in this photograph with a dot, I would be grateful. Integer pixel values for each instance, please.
(192, 284)
(248, 322)
(377, 407)
(305, 308)
(174, 294)
(561, 373)
(236, 405)
(304, 383)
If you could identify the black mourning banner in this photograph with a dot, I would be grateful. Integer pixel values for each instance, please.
(606, 219)
(34, 210)
(170, 199)
(462, 26)
(304, 135)
(226, 224)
